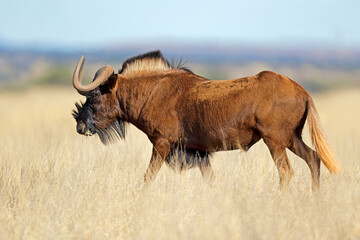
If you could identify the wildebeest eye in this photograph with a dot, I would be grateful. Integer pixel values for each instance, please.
(93, 94)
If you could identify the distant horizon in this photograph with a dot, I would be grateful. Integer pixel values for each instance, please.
(113, 45)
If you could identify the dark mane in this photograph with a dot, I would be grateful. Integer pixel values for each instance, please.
(155, 56)
(115, 131)
(76, 112)
(180, 64)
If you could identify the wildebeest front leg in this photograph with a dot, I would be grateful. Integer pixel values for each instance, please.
(206, 170)
(160, 151)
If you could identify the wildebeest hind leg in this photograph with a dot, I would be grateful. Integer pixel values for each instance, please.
(278, 153)
(160, 151)
(298, 147)
(206, 170)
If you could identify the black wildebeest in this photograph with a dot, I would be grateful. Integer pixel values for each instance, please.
(182, 112)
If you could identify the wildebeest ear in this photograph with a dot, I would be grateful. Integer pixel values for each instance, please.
(109, 85)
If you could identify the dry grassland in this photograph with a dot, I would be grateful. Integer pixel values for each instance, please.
(56, 184)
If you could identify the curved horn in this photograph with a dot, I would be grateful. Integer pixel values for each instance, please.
(100, 78)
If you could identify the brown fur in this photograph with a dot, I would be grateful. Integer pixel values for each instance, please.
(176, 108)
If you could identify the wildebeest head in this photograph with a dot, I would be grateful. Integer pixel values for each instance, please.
(100, 113)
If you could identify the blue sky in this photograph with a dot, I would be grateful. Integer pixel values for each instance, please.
(86, 23)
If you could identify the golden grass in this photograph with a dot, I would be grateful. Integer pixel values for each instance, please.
(55, 184)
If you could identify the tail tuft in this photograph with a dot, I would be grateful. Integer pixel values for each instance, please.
(323, 149)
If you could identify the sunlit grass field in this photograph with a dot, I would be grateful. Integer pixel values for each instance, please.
(56, 184)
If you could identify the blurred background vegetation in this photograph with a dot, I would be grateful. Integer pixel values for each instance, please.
(315, 69)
